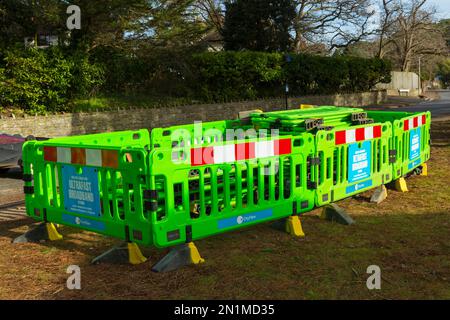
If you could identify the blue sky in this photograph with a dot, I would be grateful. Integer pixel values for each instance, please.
(443, 8)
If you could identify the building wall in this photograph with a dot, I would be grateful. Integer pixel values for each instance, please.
(132, 119)
(401, 80)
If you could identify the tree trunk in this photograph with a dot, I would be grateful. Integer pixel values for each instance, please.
(297, 42)
(406, 64)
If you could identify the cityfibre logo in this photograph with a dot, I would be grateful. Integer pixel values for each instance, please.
(82, 222)
(359, 186)
(245, 219)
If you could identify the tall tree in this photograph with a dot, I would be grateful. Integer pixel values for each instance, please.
(130, 24)
(444, 26)
(388, 18)
(408, 31)
(444, 72)
(212, 12)
(259, 25)
(337, 24)
(108, 23)
(28, 18)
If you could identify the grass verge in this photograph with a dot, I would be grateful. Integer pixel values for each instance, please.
(407, 236)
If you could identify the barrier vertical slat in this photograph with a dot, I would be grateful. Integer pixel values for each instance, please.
(214, 192)
(60, 183)
(114, 187)
(250, 184)
(226, 188)
(238, 190)
(53, 185)
(185, 195)
(281, 177)
(292, 176)
(339, 164)
(47, 183)
(201, 186)
(105, 193)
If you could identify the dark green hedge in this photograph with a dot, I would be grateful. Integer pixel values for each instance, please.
(237, 75)
(38, 81)
(248, 75)
(48, 80)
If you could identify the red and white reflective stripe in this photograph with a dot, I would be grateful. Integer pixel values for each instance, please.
(414, 122)
(357, 135)
(81, 156)
(240, 151)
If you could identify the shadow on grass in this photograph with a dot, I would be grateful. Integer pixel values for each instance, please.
(263, 263)
(406, 236)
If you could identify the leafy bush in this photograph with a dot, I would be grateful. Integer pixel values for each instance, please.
(443, 72)
(124, 73)
(159, 73)
(364, 74)
(248, 75)
(49, 80)
(35, 80)
(44, 80)
(237, 75)
(87, 77)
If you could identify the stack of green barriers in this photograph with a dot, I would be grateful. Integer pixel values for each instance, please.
(171, 186)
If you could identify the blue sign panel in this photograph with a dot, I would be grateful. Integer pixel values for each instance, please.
(81, 194)
(414, 164)
(359, 161)
(414, 143)
(245, 218)
(358, 186)
(83, 222)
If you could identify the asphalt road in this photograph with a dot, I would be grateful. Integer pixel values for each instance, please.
(11, 186)
(440, 109)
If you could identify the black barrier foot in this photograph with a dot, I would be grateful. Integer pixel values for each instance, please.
(379, 195)
(421, 170)
(334, 213)
(279, 225)
(44, 231)
(123, 253)
(178, 257)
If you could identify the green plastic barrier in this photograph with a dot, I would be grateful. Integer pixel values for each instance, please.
(303, 120)
(351, 160)
(106, 173)
(187, 182)
(410, 142)
(200, 199)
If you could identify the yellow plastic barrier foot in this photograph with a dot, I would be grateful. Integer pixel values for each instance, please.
(135, 255)
(195, 255)
(53, 234)
(400, 185)
(42, 232)
(306, 106)
(294, 226)
(424, 170)
(379, 195)
(124, 253)
(178, 257)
